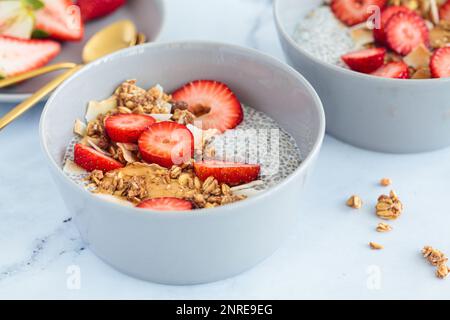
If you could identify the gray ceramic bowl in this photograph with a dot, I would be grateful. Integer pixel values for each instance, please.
(148, 15)
(198, 246)
(389, 115)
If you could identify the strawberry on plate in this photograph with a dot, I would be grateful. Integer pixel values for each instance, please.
(405, 31)
(15, 57)
(93, 9)
(127, 128)
(444, 11)
(224, 111)
(166, 204)
(17, 18)
(166, 143)
(231, 173)
(60, 19)
(366, 60)
(90, 159)
(379, 33)
(440, 63)
(352, 12)
(395, 70)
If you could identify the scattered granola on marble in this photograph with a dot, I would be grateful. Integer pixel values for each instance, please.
(389, 207)
(438, 259)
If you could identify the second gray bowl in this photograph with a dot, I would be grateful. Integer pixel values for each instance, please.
(388, 115)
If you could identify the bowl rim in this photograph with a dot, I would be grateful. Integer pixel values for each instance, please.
(129, 52)
(18, 97)
(345, 72)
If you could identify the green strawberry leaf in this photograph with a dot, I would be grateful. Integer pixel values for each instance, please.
(33, 4)
(39, 34)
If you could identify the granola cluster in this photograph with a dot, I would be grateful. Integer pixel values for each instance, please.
(389, 207)
(133, 99)
(437, 259)
(141, 181)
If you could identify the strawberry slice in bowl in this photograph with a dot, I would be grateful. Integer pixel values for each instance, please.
(366, 60)
(352, 12)
(15, 57)
(379, 33)
(440, 63)
(127, 128)
(231, 173)
(405, 32)
(166, 204)
(94, 9)
(394, 70)
(444, 11)
(91, 159)
(61, 20)
(166, 143)
(219, 106)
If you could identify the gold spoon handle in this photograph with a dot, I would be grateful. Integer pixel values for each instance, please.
(18, 110)
(34, 73)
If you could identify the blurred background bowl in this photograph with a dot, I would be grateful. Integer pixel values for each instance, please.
(387, 115)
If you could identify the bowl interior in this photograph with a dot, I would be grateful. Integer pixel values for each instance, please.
(258, 80)
(148, 16)
(290, 12)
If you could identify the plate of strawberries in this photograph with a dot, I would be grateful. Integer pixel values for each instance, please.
(34, 33)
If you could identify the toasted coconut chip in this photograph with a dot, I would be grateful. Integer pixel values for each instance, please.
(434, 9)
(422, 73)
(419, 57)
(250, 185)
(362, 36)
(114, 199)
(130, 146)
(247, 192)
(201, 137)
(129, 156)
(96, 108)
(79, 128)
(71, 167)
(161, 116)
(93, 144)
(439, 37)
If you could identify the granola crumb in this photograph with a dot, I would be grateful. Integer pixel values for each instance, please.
(354, 202)
(389, 207)
(385, 182)
(442, 271)
(437, 259)
(375, 246)
(434, 256)
(383, 227)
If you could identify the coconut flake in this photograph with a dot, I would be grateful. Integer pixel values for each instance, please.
(362, 36)
(251, 192)
(96, 147)
(79, 128)
(161, 116)
(127, 154)
(249, 185)
(95, 108)
(434, 11)
(114, 199)
(71, 167)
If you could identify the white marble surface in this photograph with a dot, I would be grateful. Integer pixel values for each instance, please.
(326, 257)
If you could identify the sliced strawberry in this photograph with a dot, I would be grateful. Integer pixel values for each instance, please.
(61, 20)
(166, 204)
(231, 173)
(379, 33)
(90, 159)
(440, 63)
(224, 111)
(444, 11)
(127, 128)
(93, 9)
(20, 55)
(352, 12)
(405, 32)
(396, 70)
(366, 60)
(166, 143)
